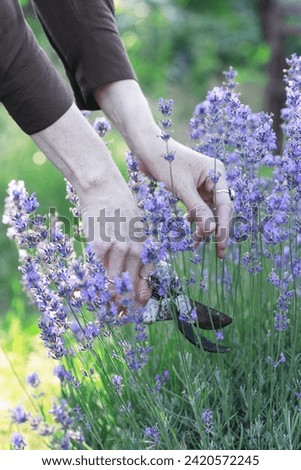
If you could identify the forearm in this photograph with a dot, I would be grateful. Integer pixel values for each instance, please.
(126, 106)
(76, 150)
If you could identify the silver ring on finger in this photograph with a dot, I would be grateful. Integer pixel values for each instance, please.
(149, 278)
(229, 191)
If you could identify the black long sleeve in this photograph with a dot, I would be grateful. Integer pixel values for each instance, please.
(85, 35)
(30, 88)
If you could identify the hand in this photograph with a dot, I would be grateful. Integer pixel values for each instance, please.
(112, 225)
(191, 182)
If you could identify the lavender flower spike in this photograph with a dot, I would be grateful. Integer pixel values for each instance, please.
(18, 442)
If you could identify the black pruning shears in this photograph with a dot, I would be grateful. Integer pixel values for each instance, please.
(161, 308)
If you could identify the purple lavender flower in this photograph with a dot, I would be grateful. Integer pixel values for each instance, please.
(169, 156)
(281, 322)
(19, 415)
(72, 197)
(274, 279)
(149, 253)
(35, 422)
(297, 267)
(61, 373)
(20, 222)
(123, 284)
(190, 281)
(166, 136)
(165, 107)
(136, 357)
(188, 317)
(230, 76)
(46, 430)
(214, 176)
(62, 414)
(153, 434)
(280, 361)
(207, 418)
(33, 380)
(65, 442)
(26, 227)
(166, 123)
(18, 441)
(91, 331)
(140, 330)
(196, 259)
(284, 298)
(132, 163)
(30, 203)
(117, 382)
(102, 126)
(160, 380)
(219, 336)
(168, 231)
(193, 314)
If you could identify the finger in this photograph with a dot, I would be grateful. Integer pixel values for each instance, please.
(140, 282)
(200, 213)
(115, 267)
(206, 192)
(132, 266)
(144, 289)
(223, 217)
(116, 261)
(209, 185)
(223, 212)
(204, 219)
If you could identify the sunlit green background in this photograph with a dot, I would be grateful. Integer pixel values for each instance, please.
(179, 49)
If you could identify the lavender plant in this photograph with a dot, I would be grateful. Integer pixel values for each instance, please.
(128, 385)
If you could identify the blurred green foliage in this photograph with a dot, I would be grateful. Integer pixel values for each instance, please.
(191, 41)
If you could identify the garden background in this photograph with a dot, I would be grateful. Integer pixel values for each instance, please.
(179, 49)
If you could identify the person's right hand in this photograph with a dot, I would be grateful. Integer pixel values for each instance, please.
(191, 182)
